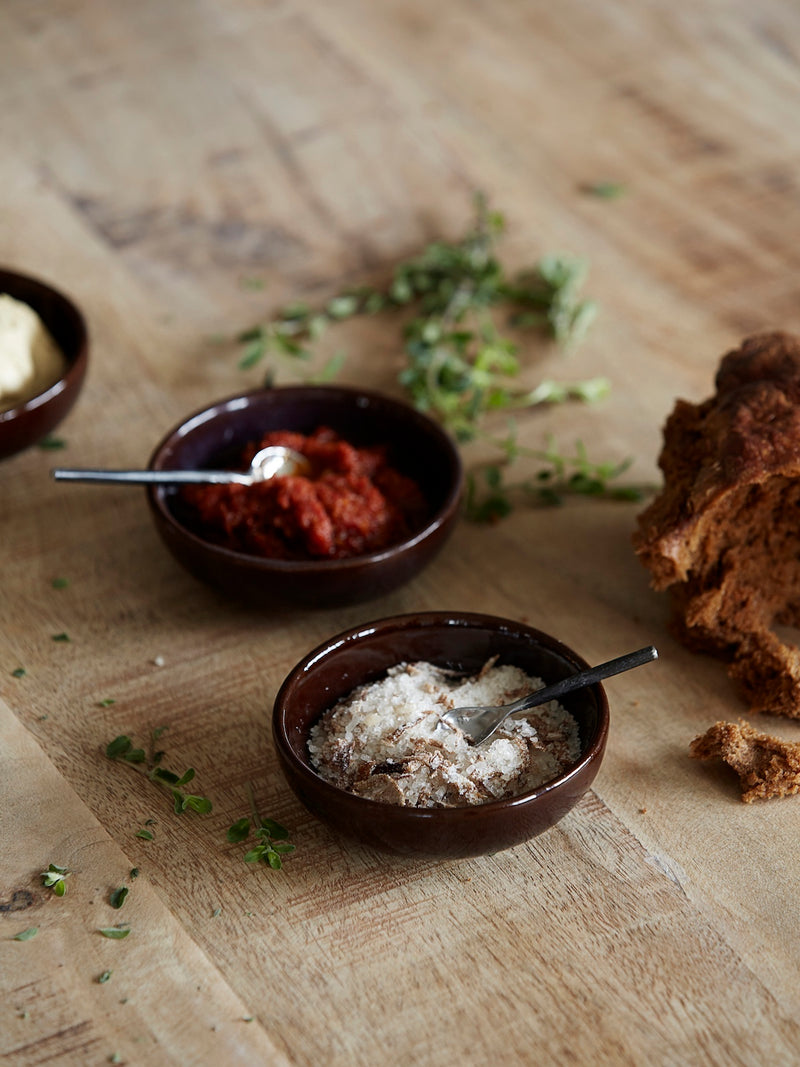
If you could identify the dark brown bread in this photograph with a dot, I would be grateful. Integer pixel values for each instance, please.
(724, 533)
(767, 767)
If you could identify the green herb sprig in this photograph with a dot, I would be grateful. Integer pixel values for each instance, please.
(272, 844)
(459, 365)
(149, 763)
(490, 495)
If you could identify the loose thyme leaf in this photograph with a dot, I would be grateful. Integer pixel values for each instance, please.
(163, 775)
(117, 898)
(605, 190)
(115, 933)
(50, 443)
(274, 829)
(26, 935)
(61, 637)
(119, 746)
(18, 672)
(60, 583)
(104, 977)
(239, 831)
(146, 834)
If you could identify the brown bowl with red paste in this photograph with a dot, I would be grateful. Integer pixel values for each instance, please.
(379, 500)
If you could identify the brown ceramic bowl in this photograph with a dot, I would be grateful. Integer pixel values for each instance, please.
(215, 438)
(463, 641)
(24, 425)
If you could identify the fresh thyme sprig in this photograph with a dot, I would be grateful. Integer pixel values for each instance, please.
(148, 763)
(459, 365)
(271, 837)
(490, 496)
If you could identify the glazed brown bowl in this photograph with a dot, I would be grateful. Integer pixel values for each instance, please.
(27, 423)
(215, 438)
(464, 642)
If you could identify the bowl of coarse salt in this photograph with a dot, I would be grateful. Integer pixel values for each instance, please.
(359, 731)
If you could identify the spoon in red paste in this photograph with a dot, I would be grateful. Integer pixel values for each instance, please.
(268, 463)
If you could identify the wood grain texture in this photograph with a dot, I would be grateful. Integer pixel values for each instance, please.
(159, 161)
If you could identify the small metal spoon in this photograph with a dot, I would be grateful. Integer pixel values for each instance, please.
(479, 723)
(267, 463)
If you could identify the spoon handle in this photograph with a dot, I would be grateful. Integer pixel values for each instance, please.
(584, 678)
(480, 723)
(87, 474)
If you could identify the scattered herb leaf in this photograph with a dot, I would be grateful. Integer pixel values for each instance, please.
(134, 872)
(26, 935)
(146, 834)
(49, 443)
(18, 672)
(60, 583)
(271, 837)
(116, 933)
(605, 190)
(54, 878)
(216, 912)
(117, 898)
(61, 637)
(104, 977)
(106, 702)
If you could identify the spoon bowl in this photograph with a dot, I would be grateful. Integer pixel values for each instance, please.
(271, 462)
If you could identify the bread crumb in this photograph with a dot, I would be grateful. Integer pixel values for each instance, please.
(767, 766)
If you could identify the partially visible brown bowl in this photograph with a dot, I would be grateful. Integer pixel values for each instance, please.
(215, 438)
(463, 641)
(25, 424)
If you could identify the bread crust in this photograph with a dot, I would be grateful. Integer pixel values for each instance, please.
(724, 533)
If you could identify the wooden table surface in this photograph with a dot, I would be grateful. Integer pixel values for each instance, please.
(183, 169)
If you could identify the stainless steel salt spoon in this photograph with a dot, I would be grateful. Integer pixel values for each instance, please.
(269, 462)
(479, 723)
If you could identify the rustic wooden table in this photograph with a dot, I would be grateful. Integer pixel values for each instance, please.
(182, 169)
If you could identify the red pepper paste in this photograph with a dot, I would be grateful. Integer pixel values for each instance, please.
(352, 503)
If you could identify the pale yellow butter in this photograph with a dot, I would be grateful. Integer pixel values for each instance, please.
(30, 360)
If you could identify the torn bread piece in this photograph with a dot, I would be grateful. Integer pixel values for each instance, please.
(767, 767)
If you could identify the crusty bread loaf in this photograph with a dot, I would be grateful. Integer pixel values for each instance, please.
(724, 533)
(767, 767)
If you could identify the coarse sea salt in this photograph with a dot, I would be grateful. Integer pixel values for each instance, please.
(386, 740)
